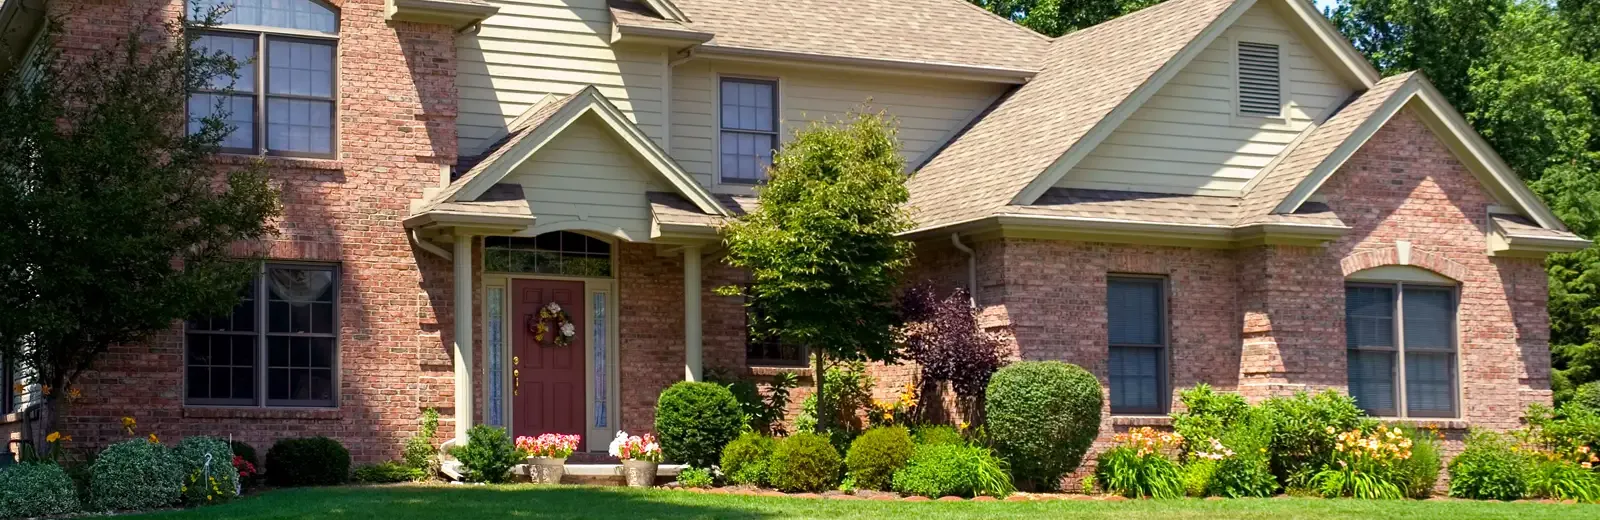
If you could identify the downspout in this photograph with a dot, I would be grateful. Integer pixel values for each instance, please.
(972, 267)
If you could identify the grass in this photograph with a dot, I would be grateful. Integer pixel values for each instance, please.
(535, 502)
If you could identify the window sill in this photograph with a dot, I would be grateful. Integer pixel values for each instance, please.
(1425, 422)
(308, 414)
(276, 161)
(769, 371)
(1141, 420)
(10, 418)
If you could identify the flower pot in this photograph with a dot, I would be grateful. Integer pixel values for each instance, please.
(546, 470)
(639, 473)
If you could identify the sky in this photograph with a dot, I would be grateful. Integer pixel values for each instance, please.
(1323, 5)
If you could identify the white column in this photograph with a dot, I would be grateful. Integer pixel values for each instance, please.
(691, 313)
(463, 336)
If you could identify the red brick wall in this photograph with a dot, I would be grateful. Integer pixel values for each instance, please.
(397, 109)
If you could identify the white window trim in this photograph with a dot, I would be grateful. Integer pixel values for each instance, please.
(740, 188)
(1402, 407)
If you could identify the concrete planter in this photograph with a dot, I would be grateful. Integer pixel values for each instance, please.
(546, 470)
(640, 474)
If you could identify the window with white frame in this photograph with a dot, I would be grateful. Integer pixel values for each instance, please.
(1401, 340)
(1137, 331)
(283, 102)
(749, 113)
(291, 310)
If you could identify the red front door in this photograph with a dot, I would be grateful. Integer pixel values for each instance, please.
(549, 378)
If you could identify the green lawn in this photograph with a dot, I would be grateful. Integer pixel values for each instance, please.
(532, 502)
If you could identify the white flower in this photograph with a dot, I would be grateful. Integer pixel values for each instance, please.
(616, 443)
(652, 448)
(568, 330)
(553, 307)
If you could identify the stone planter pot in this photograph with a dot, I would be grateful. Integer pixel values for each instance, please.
(546, 470)
(640, 474)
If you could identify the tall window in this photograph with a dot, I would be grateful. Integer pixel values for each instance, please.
(1136, 327)
(769, 351)
(749, 129)
(1402, 348)
(293, 311)
(283, 101)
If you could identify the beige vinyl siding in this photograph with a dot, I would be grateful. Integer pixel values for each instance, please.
(536, 47)
(587, 174)
(929, 110)
(1190, 139)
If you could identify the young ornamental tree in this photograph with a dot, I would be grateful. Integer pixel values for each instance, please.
(114, 220)
(821, 250)
(944, 338)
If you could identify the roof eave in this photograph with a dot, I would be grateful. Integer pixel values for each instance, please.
(1006, 75)
(1088, 229)
(446, 12)
(462, 219)
(660, 35)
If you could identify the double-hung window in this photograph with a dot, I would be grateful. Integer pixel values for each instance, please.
(1401, 340)
(769, 351)
(1136, 328)
(283, 101)
(289, 309)
(749, 113)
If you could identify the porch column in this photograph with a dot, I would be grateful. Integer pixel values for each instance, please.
(691, 313)
(463, 337)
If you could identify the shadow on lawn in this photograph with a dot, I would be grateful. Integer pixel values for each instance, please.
(469, 502)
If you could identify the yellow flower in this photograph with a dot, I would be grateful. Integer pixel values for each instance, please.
(1330, 430)
(74, 393)
(53, 437)
(962, 425)
(129, 423)
(19, 389)
(154, 440)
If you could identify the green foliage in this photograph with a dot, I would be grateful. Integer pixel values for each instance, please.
(33, 489)
(386, 472)
(419, 453)
(1417, 475)
(848, 391)
(135, 474)
(939, 434)
(804, 462)
(1489, 468)
(1301, 442)
(1206, 414)
(1197, 476)
(209, 477)
(1042, 417)
(1058, 17)
(745, 459)
(487, 456)
(1126, 471)
(95, 147)
(1563, 480)
(762, 413)
(307, 461)
(1587, 397)
(695, 420)
(876, 455)
(697, 478)
(937, 470)
(1248, 472)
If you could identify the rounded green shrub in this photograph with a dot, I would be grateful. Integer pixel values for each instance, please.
(307, 461)
(1489, 469)
(1042, 417)
(488, 455)
(208, 471)
(745, 459)
(1301, 443)
(695, 478)
(135, 474)
(876, 455)
(695, 421)
(804, 462)
(940, 434)
(35, 489)
(937, 470)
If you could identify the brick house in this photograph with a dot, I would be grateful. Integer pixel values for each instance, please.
(1207, 191)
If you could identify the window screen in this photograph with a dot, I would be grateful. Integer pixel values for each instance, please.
(1136, 328)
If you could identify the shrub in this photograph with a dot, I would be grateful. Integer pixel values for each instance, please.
(1197, 476)
(695, 421)
(937, 435)
(1042, 417)
(209, 476)
(307, 461)
(1563, 480)
(944, 338)
(1301, 443)
(1489, 468)
(1587, 397)
(35, 489)
(419, 453)
(1420, 473)
(695, 478)
(135, 474)
(386, 472)
(804, 462)
(745, 459)
(876, 455)
(1246, 470)
(1206, 414)
(937, 470)
(1138, 466)
(762, 413)
(1367, 464)
(488, 454)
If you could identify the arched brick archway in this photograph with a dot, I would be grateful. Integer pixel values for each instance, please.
(1403, 254)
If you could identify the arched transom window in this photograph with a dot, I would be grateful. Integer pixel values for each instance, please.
(559, 252)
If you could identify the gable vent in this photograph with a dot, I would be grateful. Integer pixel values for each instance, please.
(1260, 91)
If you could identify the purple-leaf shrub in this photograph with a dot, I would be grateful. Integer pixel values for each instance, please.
(943, 336)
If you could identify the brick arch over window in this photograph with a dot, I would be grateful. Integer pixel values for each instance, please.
(1406, 256)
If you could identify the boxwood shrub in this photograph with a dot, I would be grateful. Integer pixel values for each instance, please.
(488, 455)
(307, 461)
(804, 462)
(135, 474)
(35, 489)
(1042, 416)
(695, 420)
(876, 455)
(745, 459)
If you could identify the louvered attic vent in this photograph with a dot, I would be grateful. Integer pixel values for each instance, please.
(1260, 91)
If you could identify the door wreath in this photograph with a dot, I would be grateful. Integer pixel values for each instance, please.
(564, 328)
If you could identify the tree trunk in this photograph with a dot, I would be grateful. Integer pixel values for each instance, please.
(824, 414)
